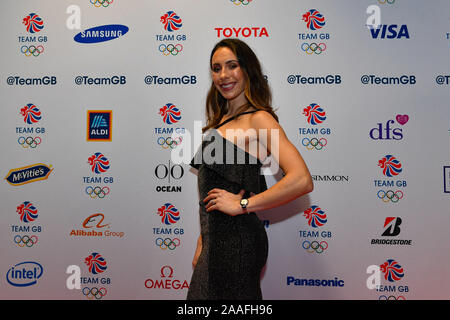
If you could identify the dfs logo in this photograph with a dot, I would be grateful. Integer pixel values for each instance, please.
(387, 132)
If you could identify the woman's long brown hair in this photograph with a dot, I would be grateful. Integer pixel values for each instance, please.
(257, 90)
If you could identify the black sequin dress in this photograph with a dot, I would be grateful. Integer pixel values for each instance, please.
(234, 249)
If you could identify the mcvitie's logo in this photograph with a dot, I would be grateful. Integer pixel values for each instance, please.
(28, 174)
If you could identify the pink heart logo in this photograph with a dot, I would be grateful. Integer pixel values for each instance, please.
(402, 119)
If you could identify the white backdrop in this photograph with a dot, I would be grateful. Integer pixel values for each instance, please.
(383, 95)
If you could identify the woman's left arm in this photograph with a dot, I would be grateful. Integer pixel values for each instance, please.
(296, 182)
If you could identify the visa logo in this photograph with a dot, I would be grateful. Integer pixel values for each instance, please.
(392, 31)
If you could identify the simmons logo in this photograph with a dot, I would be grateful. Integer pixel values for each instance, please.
(171, 21)
(390, 165)
(392, 270)
(169, 214)
(98, 162)
(33, 23)
(24, 274)
(315, 216)
(101, 33)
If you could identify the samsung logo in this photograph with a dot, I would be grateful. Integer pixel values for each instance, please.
(101, 33)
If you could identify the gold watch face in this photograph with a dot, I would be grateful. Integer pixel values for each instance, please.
(244, 202)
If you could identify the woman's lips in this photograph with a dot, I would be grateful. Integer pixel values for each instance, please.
(227, 86)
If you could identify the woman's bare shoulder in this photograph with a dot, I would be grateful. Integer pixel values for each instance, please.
(263, 120)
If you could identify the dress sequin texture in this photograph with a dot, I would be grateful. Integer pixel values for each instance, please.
(234, 249)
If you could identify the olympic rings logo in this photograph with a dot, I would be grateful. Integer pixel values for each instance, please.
(167, 243)
(32, 50)
(314, 143)
(29, 142)
(94, 292)
(170, 49)
(97, 192)
(390, 195)
(311, 48)
(391, 298)
(166, 143)
(25, 241)
(314, 246)
(238, 2)
(101, 3)
(384, 1)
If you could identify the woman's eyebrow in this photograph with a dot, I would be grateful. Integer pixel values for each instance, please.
(226, 62)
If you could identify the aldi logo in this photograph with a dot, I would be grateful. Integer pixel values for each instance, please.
(99, 125)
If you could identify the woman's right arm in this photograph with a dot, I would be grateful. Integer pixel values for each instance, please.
(197, 251)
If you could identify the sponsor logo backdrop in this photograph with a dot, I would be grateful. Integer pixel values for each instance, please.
(92, 91)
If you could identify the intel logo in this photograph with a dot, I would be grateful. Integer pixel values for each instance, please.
(101, 33)
(24, 274)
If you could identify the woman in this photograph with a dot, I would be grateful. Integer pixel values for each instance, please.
(232, 247)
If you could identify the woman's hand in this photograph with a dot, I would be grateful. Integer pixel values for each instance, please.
(224, 201)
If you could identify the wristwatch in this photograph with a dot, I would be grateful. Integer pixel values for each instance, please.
(244, 204)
